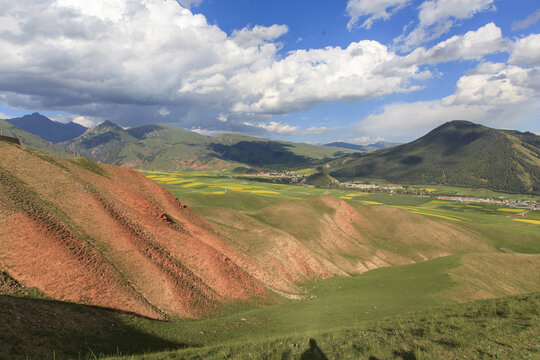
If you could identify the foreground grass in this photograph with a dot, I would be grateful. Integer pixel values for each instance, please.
(505, 328)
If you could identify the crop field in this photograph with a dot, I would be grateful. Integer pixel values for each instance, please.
(509, 229)
(207, 189)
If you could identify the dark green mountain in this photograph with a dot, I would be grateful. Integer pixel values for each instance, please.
(47, 129)
(162, 147)
(457, 153)
(30, 140)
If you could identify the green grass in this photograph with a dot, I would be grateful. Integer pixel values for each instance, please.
(495, 329)
(329, 304)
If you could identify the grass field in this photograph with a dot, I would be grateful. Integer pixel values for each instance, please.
(494, 329)
(389, 310)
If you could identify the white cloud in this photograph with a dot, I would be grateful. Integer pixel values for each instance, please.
(314, 130)
(436, 17)
(373, 10)
(364, 140)
(222, 117)
(491, 95)
(209, 132)
(274, 127)
(473, 45)
(526, 51)
(86, 121)
(127, 60)
(163, 111)
(257, 35)
(529, 21)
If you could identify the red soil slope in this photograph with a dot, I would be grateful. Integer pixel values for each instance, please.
(107, 236)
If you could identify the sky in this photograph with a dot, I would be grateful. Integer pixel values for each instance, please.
(313, 71)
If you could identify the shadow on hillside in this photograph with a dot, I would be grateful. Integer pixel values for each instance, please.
(39, 328)
(260, 153)
(313, 353)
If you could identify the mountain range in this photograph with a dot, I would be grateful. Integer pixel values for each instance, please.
(47, 129)
(168, 148)
(457, 153)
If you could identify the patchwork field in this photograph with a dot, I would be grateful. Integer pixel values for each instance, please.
(213, 190)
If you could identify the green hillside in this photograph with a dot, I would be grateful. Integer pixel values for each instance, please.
(30, 140)
(170, 148)
(457, 153)
(321, 180)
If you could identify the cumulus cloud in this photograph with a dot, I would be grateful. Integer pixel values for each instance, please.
(436, 17)
(257, 35)
(373, 10)
(526, 51)
(496, 95)
(145, 61)
(473, 45)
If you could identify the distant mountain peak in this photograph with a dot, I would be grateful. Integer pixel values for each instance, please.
(46, 128)
(108, 123)
(458, 153)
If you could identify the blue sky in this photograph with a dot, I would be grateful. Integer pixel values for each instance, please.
(315, 71)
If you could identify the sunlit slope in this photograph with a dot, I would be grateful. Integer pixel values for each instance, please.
(325, 236)
(83, 232)
(456, 153)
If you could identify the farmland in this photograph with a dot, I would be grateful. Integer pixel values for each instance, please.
(214, 190)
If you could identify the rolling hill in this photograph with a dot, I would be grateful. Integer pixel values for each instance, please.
(82, 232)
(168, 148)
(457, 153)
(45, 128)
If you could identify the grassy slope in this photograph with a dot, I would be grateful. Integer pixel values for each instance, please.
(30, 140)
(169, 148)
(503, 328)
(321, 180)
(339, 311)
(457, 153)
